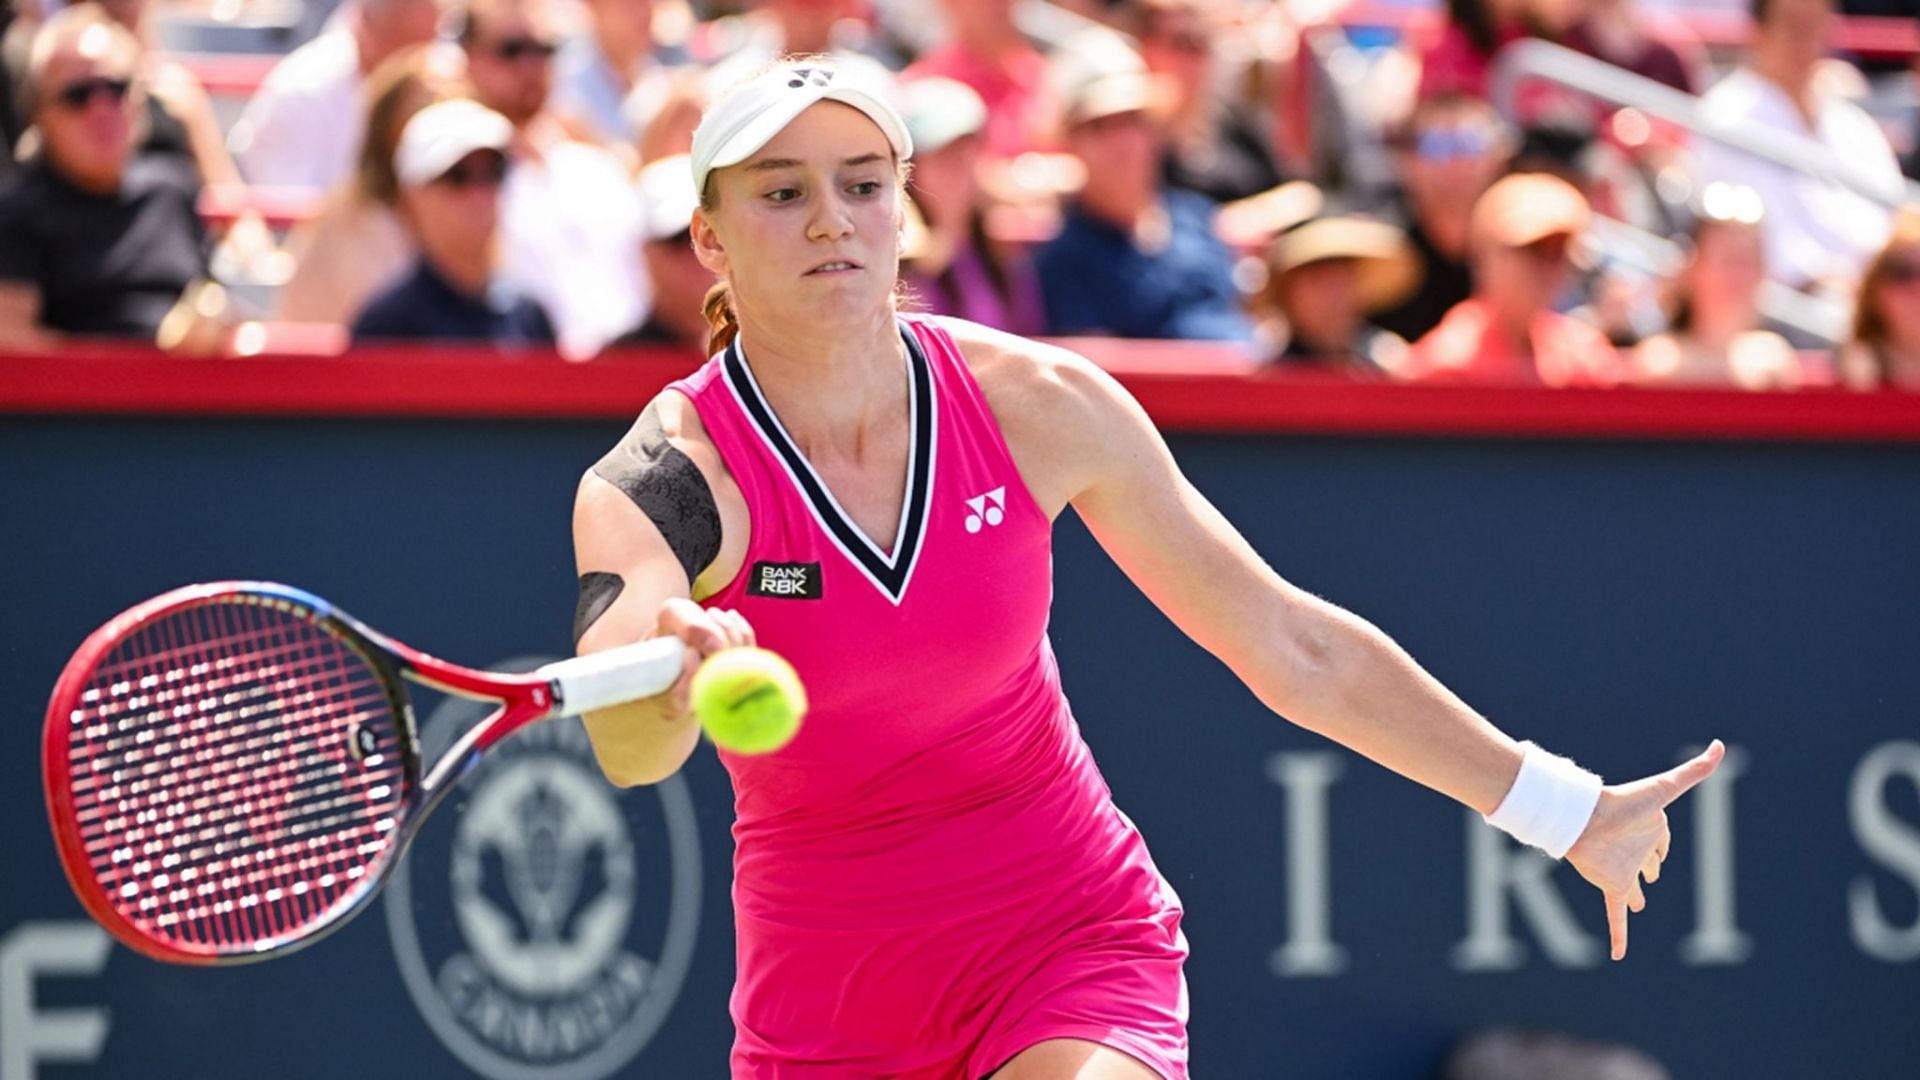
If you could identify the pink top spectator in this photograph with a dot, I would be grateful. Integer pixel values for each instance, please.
(1453, 65)
(933, 875)
(1020, 107)
(1464, 348)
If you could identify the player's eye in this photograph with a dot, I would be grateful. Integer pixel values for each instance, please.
(865, 188)
(783, 195)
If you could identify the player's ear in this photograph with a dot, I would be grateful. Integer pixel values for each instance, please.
(706, 244)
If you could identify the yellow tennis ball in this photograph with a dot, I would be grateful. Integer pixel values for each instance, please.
(749, 700)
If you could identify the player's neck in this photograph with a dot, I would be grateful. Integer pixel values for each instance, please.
(823, 379)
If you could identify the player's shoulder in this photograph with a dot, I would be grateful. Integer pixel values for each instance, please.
(667, 430)
(1019, 373)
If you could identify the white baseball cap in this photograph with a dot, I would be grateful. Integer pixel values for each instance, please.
(939, 110)
(748, 116)
(441, 134)
(1098, 72)
(667, 197)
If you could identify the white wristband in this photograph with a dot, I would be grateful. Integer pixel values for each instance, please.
(1549, 804)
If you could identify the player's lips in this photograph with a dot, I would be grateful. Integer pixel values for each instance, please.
(835, 266)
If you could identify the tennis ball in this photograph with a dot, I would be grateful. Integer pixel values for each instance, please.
(750, 701)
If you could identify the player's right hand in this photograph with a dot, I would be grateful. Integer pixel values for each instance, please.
(705, 632)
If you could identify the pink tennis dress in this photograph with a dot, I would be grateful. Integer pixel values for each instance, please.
(932, 876)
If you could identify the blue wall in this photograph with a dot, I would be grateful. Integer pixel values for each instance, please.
(1616, 601)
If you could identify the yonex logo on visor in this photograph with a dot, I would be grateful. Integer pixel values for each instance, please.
(810, 76)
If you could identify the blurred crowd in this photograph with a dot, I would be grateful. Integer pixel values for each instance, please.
(1392, 198)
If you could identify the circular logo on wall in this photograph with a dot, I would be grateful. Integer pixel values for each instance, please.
(543, 921)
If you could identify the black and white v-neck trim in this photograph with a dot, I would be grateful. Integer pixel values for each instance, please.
(890, 571)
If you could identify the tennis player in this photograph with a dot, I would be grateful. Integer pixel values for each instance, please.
(932, 880)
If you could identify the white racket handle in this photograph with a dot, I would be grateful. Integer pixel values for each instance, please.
(615, 676)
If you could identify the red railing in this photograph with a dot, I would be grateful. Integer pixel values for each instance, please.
(1184, 386)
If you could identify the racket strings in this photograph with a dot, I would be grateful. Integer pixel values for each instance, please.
(236, 770)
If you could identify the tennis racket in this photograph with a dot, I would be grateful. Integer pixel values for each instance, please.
(233, 768)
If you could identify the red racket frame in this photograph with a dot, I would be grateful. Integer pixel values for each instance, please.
(524, 699)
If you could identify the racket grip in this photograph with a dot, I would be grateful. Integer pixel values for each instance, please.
(615, 676)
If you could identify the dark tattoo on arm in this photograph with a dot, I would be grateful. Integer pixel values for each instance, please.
(667, 487)
(598, 591)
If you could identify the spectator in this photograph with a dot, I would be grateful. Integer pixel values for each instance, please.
(951, 265)
(1507, 332)
(1618, 32)
(570, 221)
(1819, 234)
(1131, 259)
(771, 29)
(1885, 350)
(1457, 62)
(1449, 151)
(679, 316)
(1714, 336)
(669, 130)
(1911, 166)
(985, 50)
(98, 240)
(356, 245)
(608, 80)
(1216, 147)
(18, 21)
(180, 119)
(450, 164)
(1325, 276)
(303, 126)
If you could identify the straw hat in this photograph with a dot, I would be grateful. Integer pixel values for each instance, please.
(1382, 258)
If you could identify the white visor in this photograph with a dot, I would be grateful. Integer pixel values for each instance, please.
(749, 115)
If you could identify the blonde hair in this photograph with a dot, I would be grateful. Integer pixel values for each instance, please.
(401, 86)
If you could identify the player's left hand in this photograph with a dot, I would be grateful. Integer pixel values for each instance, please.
(1627, 838)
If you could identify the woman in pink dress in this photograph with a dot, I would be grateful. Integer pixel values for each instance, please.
(932, 880)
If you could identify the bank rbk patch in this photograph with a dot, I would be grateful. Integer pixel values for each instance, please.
(785, 580)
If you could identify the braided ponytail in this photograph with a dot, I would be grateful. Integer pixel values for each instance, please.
(722, 325)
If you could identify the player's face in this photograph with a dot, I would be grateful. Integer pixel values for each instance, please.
(808, 229)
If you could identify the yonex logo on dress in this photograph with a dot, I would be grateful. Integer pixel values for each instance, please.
(989, 509)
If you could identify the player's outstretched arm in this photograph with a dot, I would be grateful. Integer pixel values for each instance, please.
(1081, 440)
(647, 532)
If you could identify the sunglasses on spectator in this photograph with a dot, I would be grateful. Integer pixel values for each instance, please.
(486, 171)
(78, 95)
(515, 49)
(1448, 143)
